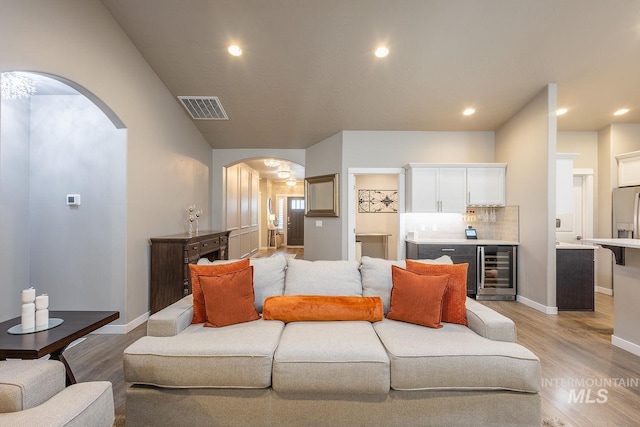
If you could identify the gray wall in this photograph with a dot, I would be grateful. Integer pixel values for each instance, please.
(14, 204)
(77, 254)
(168, 160)
(527, 143)
(323, 236)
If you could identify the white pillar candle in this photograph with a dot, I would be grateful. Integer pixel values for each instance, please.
(42, 317)
(42, 301)
(28, 295)
(28, 318)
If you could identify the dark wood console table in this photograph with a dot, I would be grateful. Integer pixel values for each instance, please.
(53, 341)
(170, 259)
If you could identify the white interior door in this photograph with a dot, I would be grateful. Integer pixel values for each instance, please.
(582, 224)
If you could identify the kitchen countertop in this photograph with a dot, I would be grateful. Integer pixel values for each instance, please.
(622, 243)
(460, 242)
(563, 245)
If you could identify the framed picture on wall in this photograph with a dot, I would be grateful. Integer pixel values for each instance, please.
(377, 201)
(321, 195)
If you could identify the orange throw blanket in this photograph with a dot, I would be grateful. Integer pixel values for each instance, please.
(296, 308)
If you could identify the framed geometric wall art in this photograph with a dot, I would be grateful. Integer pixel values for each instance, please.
(377, 201)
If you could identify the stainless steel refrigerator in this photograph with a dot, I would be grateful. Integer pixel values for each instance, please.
(626, 206)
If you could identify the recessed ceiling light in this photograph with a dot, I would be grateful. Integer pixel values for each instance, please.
(621, 112)
(561, 111)
(469, 111)
(235, 50)
(382, 51)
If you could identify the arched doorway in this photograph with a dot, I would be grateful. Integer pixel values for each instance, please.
(260, 199)
(57, 139)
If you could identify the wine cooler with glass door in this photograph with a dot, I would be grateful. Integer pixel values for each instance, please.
(497, 272)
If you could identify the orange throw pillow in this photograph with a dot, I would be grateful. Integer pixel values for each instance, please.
(295, 308)
(197, 271)
(229, 298)
(454, 309)
(417, 298)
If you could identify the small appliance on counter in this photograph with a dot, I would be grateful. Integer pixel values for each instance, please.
(471, 233)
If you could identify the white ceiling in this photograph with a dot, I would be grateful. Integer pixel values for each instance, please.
(308, 69)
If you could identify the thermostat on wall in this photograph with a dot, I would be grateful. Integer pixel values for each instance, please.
(73, 200)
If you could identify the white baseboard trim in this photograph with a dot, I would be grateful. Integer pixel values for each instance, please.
(536, 305)
(606, 291)
(123, 329)
(625, 345)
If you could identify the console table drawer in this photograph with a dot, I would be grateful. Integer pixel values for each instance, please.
(193, 250)
(209, 245)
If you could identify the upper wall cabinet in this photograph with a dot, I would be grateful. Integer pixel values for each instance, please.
(452, 187)
(486, 185)
(436, 189)
(628, 169)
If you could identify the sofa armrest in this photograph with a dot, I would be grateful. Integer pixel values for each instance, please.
(26, 384)
(171, 320)
(489, 323)
(82, 404)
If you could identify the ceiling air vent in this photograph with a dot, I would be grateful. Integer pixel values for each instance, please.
(204, 107)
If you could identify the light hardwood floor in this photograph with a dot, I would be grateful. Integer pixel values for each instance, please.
(573, 347)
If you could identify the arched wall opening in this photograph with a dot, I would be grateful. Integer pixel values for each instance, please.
(256, 191)
(56, 141)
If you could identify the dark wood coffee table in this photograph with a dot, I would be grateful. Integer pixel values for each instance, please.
(54, 341)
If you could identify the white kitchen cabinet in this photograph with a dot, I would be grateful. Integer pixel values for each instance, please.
(628, 169)
(486, 185)
(436, 189)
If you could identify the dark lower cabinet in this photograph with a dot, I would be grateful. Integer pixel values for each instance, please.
(459, 254)
(575, 279)
(170, 259)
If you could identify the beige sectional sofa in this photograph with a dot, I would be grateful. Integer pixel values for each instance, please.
(333, 373)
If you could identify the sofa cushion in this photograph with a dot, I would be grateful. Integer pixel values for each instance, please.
(455, 297)
(296, 308)
(268, 277)
(198, 270)
(455, 357)
(416, 298)
(330, 357)
(229, 298)
(236, 356)
(322, 278)
(376, 276)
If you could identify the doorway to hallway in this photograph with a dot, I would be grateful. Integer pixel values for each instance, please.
(295, 221)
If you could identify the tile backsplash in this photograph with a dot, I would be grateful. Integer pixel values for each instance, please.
(491, 223)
